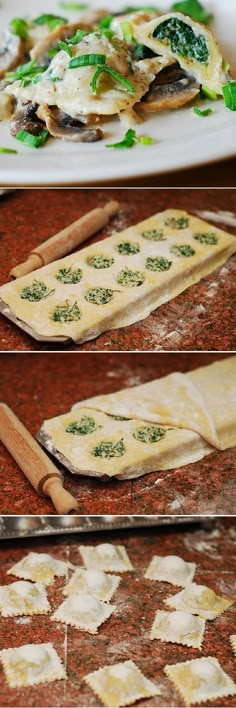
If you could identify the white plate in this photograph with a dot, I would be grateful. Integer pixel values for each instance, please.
(181, 139)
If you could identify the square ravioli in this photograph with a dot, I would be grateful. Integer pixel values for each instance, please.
(121, 684)
(200, 680)
(200, 600)
(171, 569)
(233, 642)
(40, 567)
(93, 582)
(106, 557)
(178, 627)
(84, 612)
(23, 598)
(31, 664)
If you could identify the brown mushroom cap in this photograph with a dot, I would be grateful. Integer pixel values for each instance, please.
(26, 119)
(60, 125)
(171, 88)
(11, 51)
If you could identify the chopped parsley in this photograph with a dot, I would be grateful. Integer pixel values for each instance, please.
(100, 262)
(149, 434)
(126, 248)
(208, 238)
(84, 426)
(183, 250)
(202, 114)
(66, 312)
(157, 263)
(181, 223)
(131, 278)
(153, 235)
(194, 9)
(109, 449)
(99, 296)
(182, 39)
(68, 275)
(35, 292)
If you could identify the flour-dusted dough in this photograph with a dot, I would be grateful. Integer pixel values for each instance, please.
(171, 569)
(84, 612)
(106, 557)
(179, 627)
(39, 567)
(200, 600)
(93, 582)
(31, 664)
(135, 271)
(200, 680)
(121, 684)
(23, 598)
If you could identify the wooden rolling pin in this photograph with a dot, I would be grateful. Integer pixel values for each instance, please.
(67, 240)
(37, 467)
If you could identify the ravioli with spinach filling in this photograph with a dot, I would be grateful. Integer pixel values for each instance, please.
(68, 275)
(100, 262)
(209, 239)
(67, 312)
(183, 250)
(99, 296)
(181, 223)
(84, 426)
(127, 248)
(130, 278)
(153, 235)
(157, 263)
(182, 40)
(108, 449)
(35, 292)
(149, 434)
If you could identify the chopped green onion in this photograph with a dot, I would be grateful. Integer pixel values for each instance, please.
(80, 34)
(19, 27)
(30, 140)
(87, 60)
(104, 33)
(145, 140)
(115, 75)
(225, 66)
(73, 5)
(105, 22)
(131, 8)
(64, 46)
(52, 52)
(131, 139)
(229, 93)
(126, 32)
(207, 92)
(194, 9)
(28, 70)
(51, 21)
(202, 114)
(8, 151)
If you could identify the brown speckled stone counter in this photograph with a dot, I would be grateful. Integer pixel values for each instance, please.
(202, 317)
(40, 386)
(126, 634)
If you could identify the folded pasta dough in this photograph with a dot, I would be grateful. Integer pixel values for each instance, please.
(146, 428)
(192, 44)
(120, 280)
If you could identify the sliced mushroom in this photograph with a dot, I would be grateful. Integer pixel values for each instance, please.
(11, 51)
(172, 88)
(60, 125)
(41, 48)
(6, 106)
(26, 119)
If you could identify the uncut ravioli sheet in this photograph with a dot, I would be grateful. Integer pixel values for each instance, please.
(186, 249)
(173, 421)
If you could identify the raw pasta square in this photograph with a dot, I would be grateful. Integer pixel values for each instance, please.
(31, 664)
(23, 598)
(171, 569)
(94, 582)
(84, 612)
(106, 557)
(121, 684)
(178, 627)
(200, 600)
(200, 680)
(40, 567)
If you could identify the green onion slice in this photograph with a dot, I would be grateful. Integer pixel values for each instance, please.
(52, 52)
(209, 93)
(19, 27)
(193, 9)
(73, 5)
(229, 93)
(8, 151)
(126, 31)
(64, 46)
(131, 139)
(87, 60)
(202, 114)
(80, 34)
(25, 71)
(51, 20)
(105, 22)
(115, 75)
(30, 140)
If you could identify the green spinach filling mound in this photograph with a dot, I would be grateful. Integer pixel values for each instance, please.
(157, 263)
(182, 40)
(109, 449)
(153, 235)
(184, 250)
(35, 292)
(149, 434)
(130, 278)
(117, 417)
(126, 248)
(98, 296)
(82, 427)
(209, 239)
(66, 312)
(70, 276)
(181, 223)
(100, 261)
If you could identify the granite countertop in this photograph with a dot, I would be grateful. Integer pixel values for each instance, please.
(126, 634)
(38, 387)
(200, 318)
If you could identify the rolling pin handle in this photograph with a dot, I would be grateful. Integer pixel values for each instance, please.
(111, 208)
(63, 501)
(34, 262)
